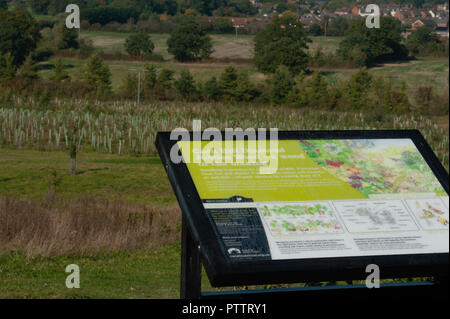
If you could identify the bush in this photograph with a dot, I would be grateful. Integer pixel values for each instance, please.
(139, 44)
(282, 42)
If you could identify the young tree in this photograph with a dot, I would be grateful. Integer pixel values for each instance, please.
(164, 83)
(358, 88)
(282, 42)
(59, 73)
(7, 67)
(185, 85)
(139, 44)
(98, 74)
(28, 71)
(245, 91)
(282, 84)
(318, 90)
(299, 95)
(165, 78)
(211, 89)
(151, 76)
(19, 35)
(228, 82)
(129, 85)
(189, 42)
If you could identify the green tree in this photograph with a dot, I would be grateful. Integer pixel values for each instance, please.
(282, 42)
(139, 44)
(358, 88)
(299, 95)
(318, 90)
(185, 85)
(228, 82)
(7, 68)
(164, 84)
(245, 91)
(376, 44)
(424, 41)
(59, 73)
(28, 70)
(98, 74)
(165, 78)
(19, 35)
(282, 83)
(150, 77)
(129, 86)
(68, 38)
(211, 89)
(222, 25)
(189, 42)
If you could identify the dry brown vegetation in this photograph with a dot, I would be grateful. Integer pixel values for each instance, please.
(55, 226)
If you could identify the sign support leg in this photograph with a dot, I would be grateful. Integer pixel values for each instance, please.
(191, 268)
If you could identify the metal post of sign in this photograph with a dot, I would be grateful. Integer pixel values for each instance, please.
(191, 267)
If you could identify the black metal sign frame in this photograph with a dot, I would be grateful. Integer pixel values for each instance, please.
(202, 246)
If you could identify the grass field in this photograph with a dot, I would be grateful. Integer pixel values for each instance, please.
(420, 72)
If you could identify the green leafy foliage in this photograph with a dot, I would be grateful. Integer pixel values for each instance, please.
(185, 85)
(282, 42)
(59, 73)
(189, 42)
(424, 41)
(139, 44)
(19, 35)
(376, 44)
(98, 74)
(282, 83)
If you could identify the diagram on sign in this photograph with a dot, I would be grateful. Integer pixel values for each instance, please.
(300, 219)
(431, 213)
(375, 216)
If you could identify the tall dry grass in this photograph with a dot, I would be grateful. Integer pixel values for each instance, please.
(55, 226)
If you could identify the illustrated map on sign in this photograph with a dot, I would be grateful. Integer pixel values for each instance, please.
(373, 216)
(300, 219)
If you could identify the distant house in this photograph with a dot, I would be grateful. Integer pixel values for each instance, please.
(309, 19)
(442, 7)
(241, 22)
(343, 11)
(423, 23)
(401, 14)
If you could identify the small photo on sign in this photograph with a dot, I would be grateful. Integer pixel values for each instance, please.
(431, 213)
